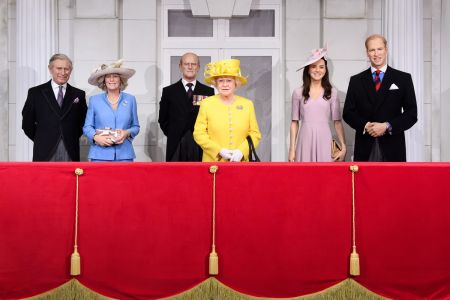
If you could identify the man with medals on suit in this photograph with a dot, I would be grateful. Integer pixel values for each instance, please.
(380, 105)
(54, 113)
(179, 108)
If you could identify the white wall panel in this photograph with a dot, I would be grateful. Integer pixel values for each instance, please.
(343, 70)
(373, 9)
(374, 26)
(427, 122)
(12, 123)
(345, 38)
(143, 83)
(293, 78)
(344, 9)
(80, 74)
(301, 37)
(427, 39)
(149, 126)
(12, 82)
(11, 9)
(139, 37)
(96, 39)
(12, 39)
(65, 37)
(65, 9)
(304, 9)
(96, 8)
(139, 9)
(427, 82)
(427, 9)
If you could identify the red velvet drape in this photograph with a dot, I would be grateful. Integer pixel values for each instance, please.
(282, 229)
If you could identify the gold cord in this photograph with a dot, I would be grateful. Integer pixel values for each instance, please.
(213, 257)
(75, 265)
(354, 256)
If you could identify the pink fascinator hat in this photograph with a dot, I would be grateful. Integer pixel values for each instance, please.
(316, 54)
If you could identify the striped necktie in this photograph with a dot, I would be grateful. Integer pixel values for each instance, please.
(376, 80)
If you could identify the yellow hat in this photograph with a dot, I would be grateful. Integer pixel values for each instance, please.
(226, 67)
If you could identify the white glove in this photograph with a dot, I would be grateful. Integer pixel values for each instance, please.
(226, 153)
(236, 155)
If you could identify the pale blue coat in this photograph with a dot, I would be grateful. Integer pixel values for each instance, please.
(100, 115)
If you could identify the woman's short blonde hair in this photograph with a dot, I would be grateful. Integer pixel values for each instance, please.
(102, 84)
(237, 80)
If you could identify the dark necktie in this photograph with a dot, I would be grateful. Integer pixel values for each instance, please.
(60, 96)
(190, 92)
(377, 80)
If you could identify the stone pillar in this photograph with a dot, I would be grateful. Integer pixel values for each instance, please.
(440, 121)
(402, 22)
(4, 103)
(36, 42)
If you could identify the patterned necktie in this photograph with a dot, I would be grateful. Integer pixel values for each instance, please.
(60, 96)
(190, 92)
(377, 80)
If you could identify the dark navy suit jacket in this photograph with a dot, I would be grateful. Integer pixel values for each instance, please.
(45, 123)
(177, 116)
(395, 102)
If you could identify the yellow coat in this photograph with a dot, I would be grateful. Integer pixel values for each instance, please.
(225, 126)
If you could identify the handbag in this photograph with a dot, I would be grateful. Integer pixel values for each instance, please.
(252, 156)
(335, 148)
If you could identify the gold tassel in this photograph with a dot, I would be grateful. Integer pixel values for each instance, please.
(75, 259)
(354, 256)
(213, 257)
(354, 263)
(75, 266)
(213, 262)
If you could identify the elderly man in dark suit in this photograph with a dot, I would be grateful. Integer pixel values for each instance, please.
(380, 105)
(54, 113)
(178, 111)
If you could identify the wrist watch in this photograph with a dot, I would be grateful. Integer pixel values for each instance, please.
(388, 127)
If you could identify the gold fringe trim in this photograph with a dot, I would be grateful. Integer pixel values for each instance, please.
(71, 290)
(212, 289)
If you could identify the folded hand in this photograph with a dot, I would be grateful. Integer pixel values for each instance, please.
(236, 156)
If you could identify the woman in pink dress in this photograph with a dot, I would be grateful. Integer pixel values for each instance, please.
(315, 104)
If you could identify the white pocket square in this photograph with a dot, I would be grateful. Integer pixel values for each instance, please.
(393, 87)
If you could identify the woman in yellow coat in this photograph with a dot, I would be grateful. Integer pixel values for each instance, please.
(225, 120)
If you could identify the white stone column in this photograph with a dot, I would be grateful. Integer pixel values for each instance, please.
(36, 42)
(4, 103)
(403, 28)
(440, 81)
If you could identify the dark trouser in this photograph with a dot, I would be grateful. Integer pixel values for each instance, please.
(375, 152)
(61, 153)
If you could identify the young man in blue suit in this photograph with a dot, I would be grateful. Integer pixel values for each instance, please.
(178, 111)
(380, 105)
(54, 113)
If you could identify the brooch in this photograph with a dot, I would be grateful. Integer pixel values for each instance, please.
(239, 107)
(76, 100)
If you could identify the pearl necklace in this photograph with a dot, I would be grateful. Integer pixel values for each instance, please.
(113, 102)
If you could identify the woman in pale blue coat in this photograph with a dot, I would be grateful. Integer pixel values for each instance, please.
(111, 121)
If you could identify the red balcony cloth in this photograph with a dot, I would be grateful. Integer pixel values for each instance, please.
(283, 230)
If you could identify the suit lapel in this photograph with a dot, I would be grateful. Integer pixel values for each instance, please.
(181, 91)
(69, 97)
(384, 88)
(198, 89)
(369, 86)
(49, 96)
